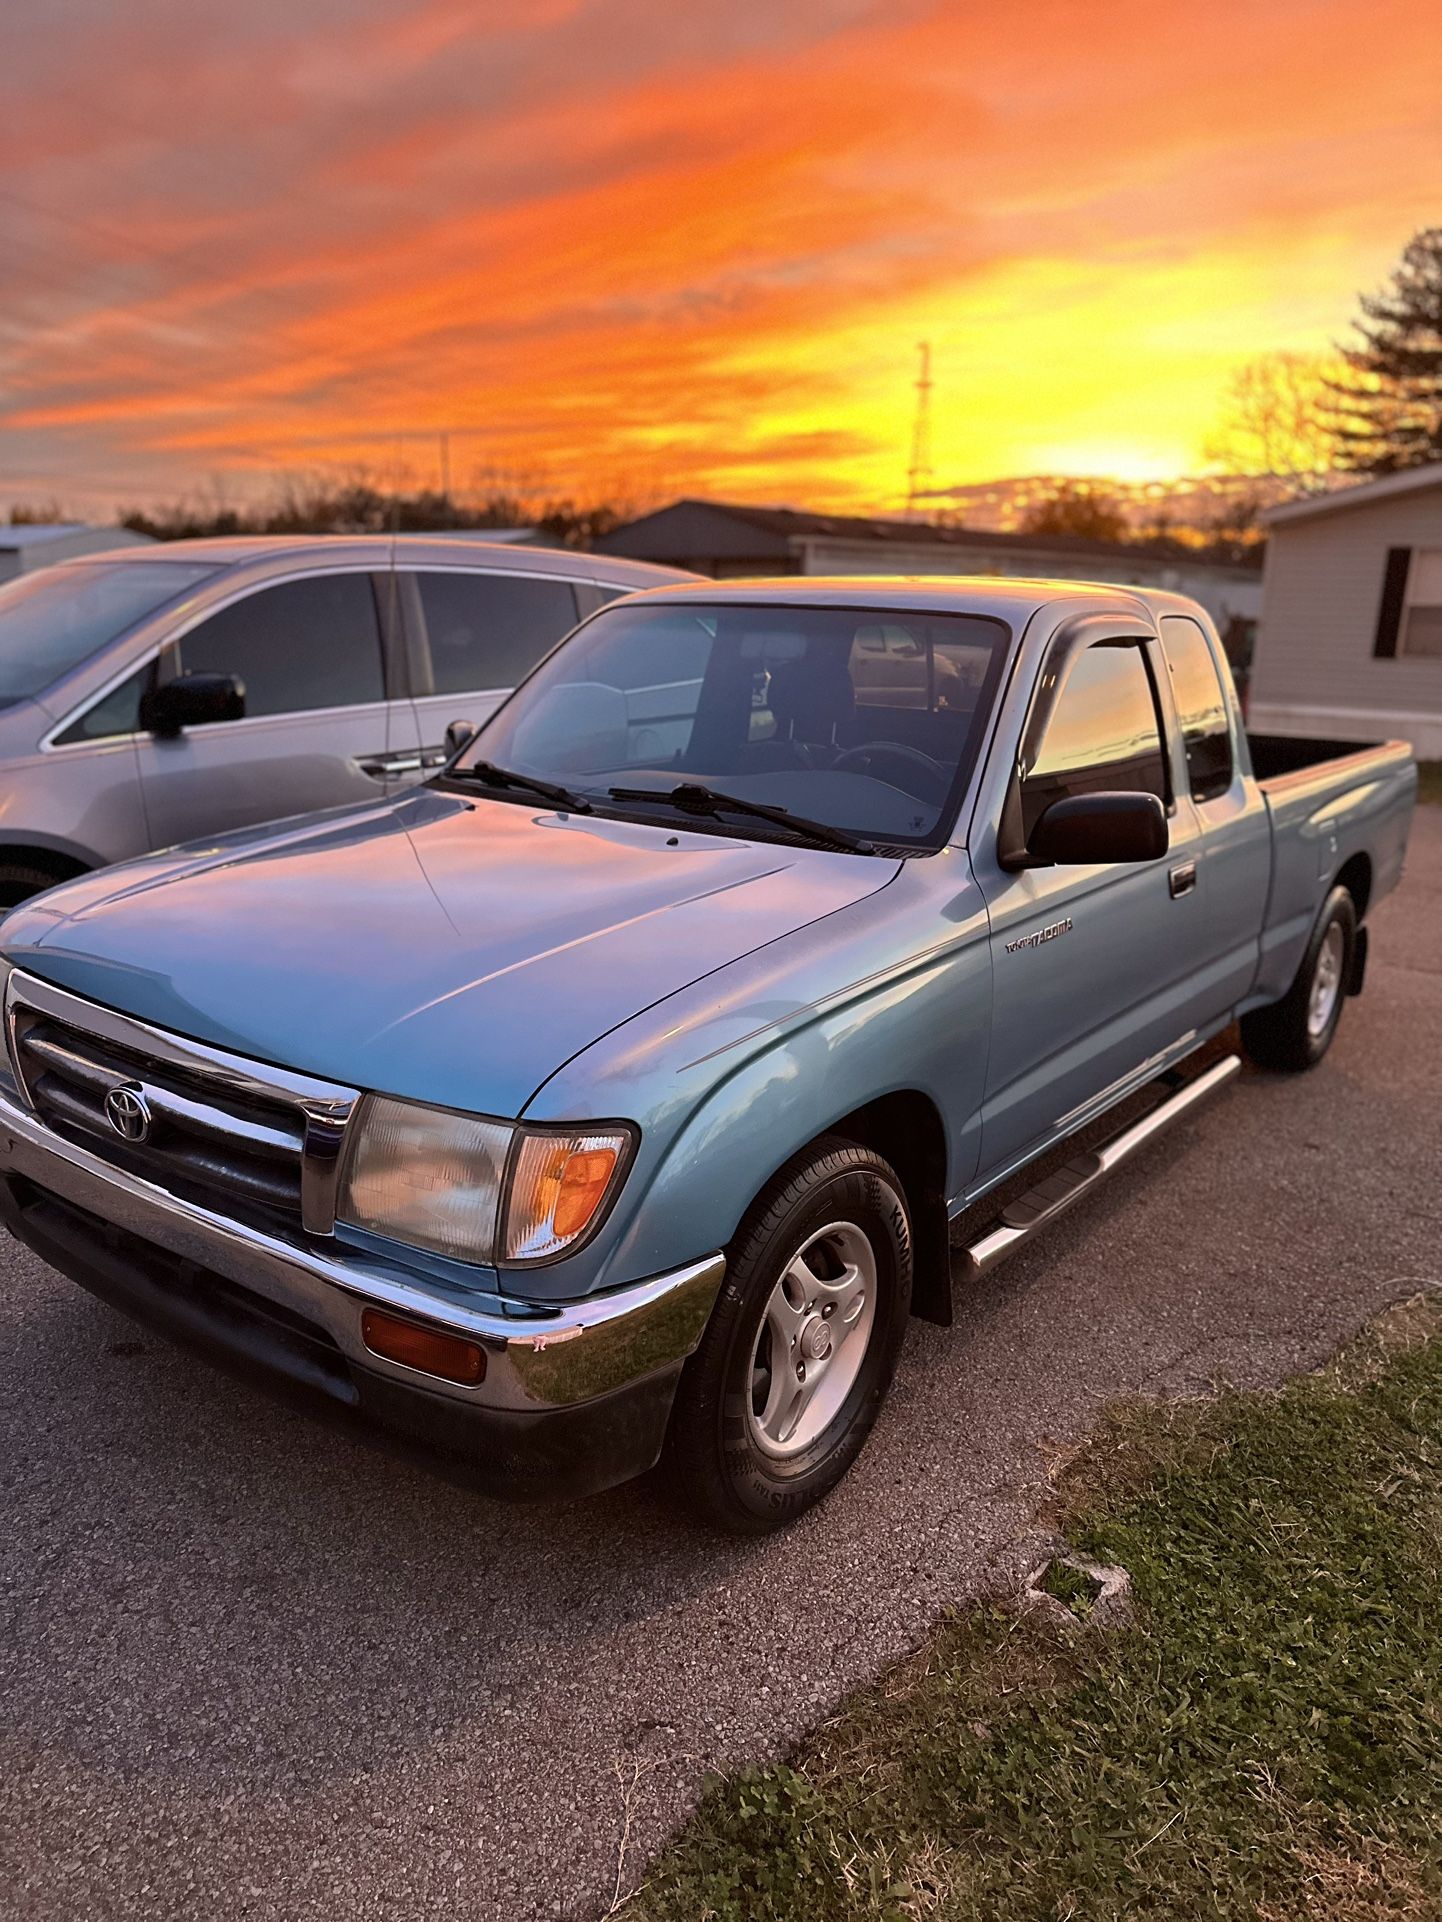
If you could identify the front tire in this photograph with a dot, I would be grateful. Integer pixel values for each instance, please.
(1295, 1032)
(781, 1394)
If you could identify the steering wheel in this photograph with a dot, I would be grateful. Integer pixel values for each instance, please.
(864, 759)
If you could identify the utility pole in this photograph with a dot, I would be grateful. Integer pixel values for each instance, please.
(445, 452)
(918, 475)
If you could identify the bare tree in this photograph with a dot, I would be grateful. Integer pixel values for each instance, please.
(1081, 508)
(1278, 423)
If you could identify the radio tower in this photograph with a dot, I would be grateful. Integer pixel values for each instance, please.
(918, 475)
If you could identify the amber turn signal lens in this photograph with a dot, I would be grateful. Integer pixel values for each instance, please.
(582, 1188)
(559, 1185)
(448, 1356)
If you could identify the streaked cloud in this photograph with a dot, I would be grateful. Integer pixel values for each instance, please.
(640, 246)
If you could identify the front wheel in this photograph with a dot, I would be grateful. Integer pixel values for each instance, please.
(1295, 1032)
(777, 1401)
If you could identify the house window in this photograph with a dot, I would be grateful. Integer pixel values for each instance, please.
(1422, 609)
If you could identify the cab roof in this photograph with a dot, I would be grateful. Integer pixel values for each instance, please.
(1005, 597)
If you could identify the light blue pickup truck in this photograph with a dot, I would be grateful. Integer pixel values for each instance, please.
(622, 1091)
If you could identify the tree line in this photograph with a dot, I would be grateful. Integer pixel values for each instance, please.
(357, 505)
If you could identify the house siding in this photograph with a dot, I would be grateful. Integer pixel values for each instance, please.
(1315, 671)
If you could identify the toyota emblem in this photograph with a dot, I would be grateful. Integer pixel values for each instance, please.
(128, 1112)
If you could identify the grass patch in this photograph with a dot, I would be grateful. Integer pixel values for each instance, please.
(1264, 1742)
(1429, 782)
(1069, 1586)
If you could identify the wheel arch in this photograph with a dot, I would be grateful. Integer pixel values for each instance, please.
(1355, 875)
(905, 1128)
(59, 859)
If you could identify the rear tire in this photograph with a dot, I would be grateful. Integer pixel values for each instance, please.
(1295, 1032)
(783, 1390)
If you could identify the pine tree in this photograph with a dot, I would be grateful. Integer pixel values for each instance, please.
(1389, 402)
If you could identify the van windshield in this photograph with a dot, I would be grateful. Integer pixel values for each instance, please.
(866, 719)
(53, 620)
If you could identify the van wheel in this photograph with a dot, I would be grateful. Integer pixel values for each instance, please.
(18, 881)
(1295, 1032)
(777, 1401)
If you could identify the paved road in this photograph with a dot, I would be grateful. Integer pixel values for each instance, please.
(252, 1669)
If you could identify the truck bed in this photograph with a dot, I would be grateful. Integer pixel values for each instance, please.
(1339, 810)
(1275, 755)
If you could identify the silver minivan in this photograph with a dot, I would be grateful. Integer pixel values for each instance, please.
(168, 693)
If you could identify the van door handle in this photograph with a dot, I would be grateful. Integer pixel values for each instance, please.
(1183, 879)
(382, 767)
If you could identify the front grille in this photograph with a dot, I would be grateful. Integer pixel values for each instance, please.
(232, 1135)
(198, 1141)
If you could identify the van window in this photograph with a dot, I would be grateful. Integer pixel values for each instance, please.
(298, 645)
(489, 630)
(1103, 737)
(117, 713)
(53, 620)
(1201, 705)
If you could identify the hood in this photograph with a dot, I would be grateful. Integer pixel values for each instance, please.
(453, 950)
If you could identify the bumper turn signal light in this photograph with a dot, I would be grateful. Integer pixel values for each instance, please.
(450, 1357)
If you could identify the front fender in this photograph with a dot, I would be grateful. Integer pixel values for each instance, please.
(732, 1078)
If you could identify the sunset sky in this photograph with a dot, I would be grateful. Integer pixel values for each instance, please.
(642, 248)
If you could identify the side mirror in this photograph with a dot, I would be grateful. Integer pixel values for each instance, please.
(191, 700)
(459, 734)
(1088, 830)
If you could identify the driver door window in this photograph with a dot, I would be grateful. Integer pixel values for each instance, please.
(1115, 983)
(318, 730)
(1104, 735)
(298, 646)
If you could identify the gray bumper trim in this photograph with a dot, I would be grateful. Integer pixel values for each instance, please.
(538, 1355)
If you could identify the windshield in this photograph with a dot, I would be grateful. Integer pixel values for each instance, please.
(867, 720)
(53, 620)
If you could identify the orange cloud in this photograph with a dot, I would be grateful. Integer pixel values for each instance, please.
(698, 242)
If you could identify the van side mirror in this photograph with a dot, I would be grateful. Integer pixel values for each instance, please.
(1088, 830)
(192, 700)
(459, 734)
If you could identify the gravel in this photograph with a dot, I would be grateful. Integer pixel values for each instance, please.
(253, 1668)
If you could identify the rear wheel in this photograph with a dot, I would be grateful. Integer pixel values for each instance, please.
(777, 1401)
(1295, 1032)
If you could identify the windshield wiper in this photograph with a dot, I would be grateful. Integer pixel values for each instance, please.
(691, 797)
(487, 774)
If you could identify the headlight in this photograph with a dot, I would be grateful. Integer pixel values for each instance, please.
(477, 1190)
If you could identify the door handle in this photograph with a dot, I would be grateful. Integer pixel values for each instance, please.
(1183, 879)
(381, 766)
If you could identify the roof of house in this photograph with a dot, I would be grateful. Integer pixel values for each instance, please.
(25, 536)
(1411, 480)
(778, 527)
(32, 533)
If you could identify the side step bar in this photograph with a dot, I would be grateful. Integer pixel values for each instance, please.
(1021, 1219)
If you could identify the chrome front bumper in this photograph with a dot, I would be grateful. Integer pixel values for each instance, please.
(541, 1359)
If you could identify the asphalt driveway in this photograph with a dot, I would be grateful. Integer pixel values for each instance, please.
(250, 1668)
